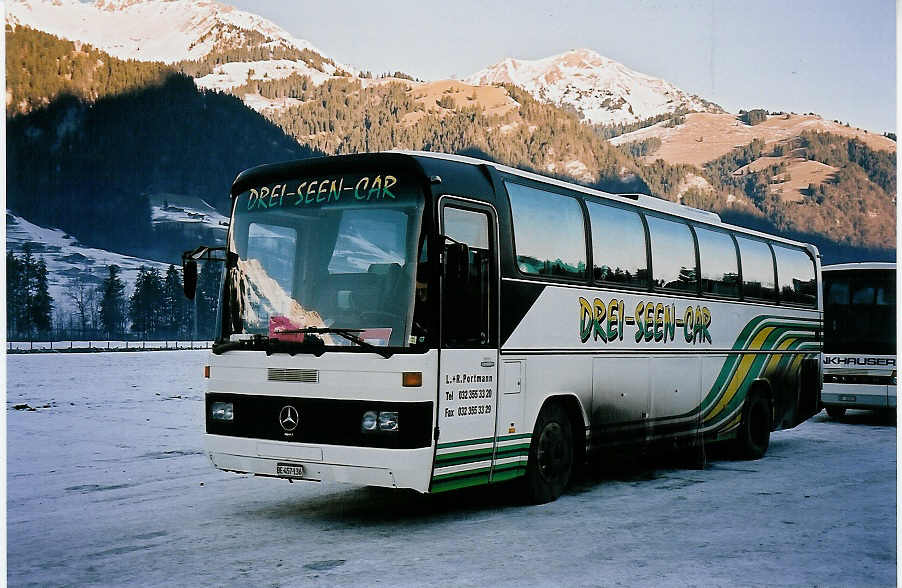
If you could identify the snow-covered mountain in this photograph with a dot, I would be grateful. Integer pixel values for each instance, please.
(69, 262)
(154, 30)
(601, 90)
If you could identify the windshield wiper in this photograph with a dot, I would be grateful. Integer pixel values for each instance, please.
(349, 334)
(259, 342)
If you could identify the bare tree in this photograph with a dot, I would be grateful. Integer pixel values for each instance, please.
(82, 296)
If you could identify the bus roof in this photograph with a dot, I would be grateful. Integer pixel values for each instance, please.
(860, 265)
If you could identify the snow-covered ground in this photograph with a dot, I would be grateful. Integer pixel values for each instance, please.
(109, 486)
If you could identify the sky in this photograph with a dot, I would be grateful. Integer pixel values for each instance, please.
(834, 58)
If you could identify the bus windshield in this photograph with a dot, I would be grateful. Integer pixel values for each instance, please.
(860, 312)
(325, 253)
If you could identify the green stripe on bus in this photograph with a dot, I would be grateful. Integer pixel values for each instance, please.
(510, 466)
(467, 442)
(446, 485)
(460, 474)
(463, 454)
(518, 436)
(463, 460)
(508, 474)
(512, 451)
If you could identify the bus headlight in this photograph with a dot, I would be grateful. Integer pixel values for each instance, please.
(388, 421)
(369, 421)
(222, 411)
(385, 421)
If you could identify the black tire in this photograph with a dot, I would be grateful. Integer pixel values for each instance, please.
(754, 429)
(836, 412)
(550, 455)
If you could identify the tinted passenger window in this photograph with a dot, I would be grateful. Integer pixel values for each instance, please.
(549, 232)
(757, 269)
(719, 265)
(672, 254)
(795, 274)
(838, 292)
(618, 245)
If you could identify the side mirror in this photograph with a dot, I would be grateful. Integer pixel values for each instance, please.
(457, 263)
(189, 271)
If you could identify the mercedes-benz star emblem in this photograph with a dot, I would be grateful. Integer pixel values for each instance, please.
(289, 418)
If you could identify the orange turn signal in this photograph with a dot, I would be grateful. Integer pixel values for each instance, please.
(411, 379)
(206, 371)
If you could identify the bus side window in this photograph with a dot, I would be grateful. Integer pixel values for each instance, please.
(466, 307)
(672, 255)
(718, 260)
(757, 269)
(618, 245)
(795, 275)
(549, 233)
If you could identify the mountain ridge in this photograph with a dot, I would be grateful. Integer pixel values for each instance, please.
(599, 89)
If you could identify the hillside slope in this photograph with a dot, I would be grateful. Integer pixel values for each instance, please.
(707, 136)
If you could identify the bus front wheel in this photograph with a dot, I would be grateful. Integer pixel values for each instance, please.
(754, 429)
(550, 455)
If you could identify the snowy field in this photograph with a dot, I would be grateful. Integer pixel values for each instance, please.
(108, 485)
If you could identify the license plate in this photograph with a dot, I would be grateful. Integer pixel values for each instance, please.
(847, 398)
(289, 470)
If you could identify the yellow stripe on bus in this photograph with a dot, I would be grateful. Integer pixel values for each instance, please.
(741, 372)
(775, 359)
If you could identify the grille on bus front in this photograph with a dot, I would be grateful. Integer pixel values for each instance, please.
(292, 375)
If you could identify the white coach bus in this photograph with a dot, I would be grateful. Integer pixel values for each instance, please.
(859, 337)
(429, 321)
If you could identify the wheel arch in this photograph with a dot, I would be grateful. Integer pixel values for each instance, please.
(579, 422)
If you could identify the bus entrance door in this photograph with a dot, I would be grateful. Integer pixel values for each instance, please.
(468, 361)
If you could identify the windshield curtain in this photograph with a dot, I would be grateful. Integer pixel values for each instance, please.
(860, 312)
(334, 252)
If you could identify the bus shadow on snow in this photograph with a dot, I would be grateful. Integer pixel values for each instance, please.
(379, 506)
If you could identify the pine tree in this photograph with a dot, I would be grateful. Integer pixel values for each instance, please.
(146, 303)
(174, 311)
(41, 307)
(15, 295)
(112, 303)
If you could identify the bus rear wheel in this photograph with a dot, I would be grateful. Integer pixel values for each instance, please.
(550, 455)
(836, 412)
(754, 429)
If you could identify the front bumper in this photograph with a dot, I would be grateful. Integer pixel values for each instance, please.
(867, 396)
(368, 466)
